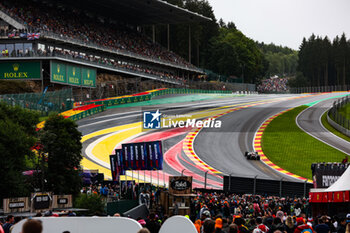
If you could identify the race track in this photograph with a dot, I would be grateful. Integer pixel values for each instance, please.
(310, 121)
(222, 149)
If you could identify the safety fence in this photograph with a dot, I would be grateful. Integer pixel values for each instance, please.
(84, 111)
(340, 114)
(44, 103)
(242, 185)
(314, 89)
(147, 95)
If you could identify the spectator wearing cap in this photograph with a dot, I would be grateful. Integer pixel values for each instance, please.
(348, 218)
(218, 225)
(198, 225)
(302, 227)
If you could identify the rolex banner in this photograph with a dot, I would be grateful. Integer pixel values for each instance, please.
(72, 74)
(23, 70)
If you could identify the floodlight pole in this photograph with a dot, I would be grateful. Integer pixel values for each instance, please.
(189, 43)
(168, 32)
(153, 33)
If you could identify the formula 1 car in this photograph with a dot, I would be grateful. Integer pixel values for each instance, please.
(252, 155)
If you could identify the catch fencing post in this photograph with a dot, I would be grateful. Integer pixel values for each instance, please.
(205, 179)
(305, 188)
(254, 190)
(281, 187)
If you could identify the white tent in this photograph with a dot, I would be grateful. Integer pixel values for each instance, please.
(342, 184)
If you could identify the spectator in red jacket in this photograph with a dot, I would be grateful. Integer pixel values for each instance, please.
(302, 227)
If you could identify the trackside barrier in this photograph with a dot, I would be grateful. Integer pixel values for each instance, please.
(84, 224)
(242, 185)
(173, 224)
(145, 96)
(338, 120)
(125, 100)
(87, 112)
(187, 91)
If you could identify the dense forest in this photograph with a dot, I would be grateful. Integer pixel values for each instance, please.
(215, 45)
(222, 48)
(323, 62)
(283, 61)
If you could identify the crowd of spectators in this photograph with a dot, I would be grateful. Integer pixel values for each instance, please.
(88, 29)
(246, 213)
(127, 66)
(273, 84)
(220, 213)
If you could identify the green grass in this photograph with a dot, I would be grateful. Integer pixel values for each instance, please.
(345, 111)
(287, 146)
(331, 128)
(43, 118)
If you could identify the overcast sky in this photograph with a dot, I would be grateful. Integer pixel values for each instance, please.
(286, 22)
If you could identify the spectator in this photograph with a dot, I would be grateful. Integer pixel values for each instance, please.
(233, 228)
(209, 226)
(198, 225)
(153, 225)
(144, 230)
(302, 227)
(322, 227)
(218, 225)
(9, 223)
(32, 226)
(341, 225)
(289, 225)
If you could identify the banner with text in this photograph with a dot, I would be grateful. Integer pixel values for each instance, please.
(24, 70)
(73, 75)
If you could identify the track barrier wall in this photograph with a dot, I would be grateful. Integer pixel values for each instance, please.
(338, 120)
(242, 185)
(298, 90)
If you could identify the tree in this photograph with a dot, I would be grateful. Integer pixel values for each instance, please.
(93, 203)
(17, 136)
(234, 54)
(61, 141)
(324, 63)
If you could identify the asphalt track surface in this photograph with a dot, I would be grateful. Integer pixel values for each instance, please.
(310, 121)
(222, 148)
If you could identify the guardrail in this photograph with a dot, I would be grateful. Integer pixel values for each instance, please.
(313, 89)
(338, 120)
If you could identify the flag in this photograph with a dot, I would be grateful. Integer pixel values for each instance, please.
(23, 35)
(33, 36)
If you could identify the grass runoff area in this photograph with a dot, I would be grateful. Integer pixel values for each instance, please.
(287, 146)
(345, 111)
(176, 99)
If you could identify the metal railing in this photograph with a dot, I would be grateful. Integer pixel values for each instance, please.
(314, 89)
(336, 116)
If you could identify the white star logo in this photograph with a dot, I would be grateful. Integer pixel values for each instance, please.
(156, 115)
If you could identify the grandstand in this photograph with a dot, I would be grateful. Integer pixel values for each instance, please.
(71, 43)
